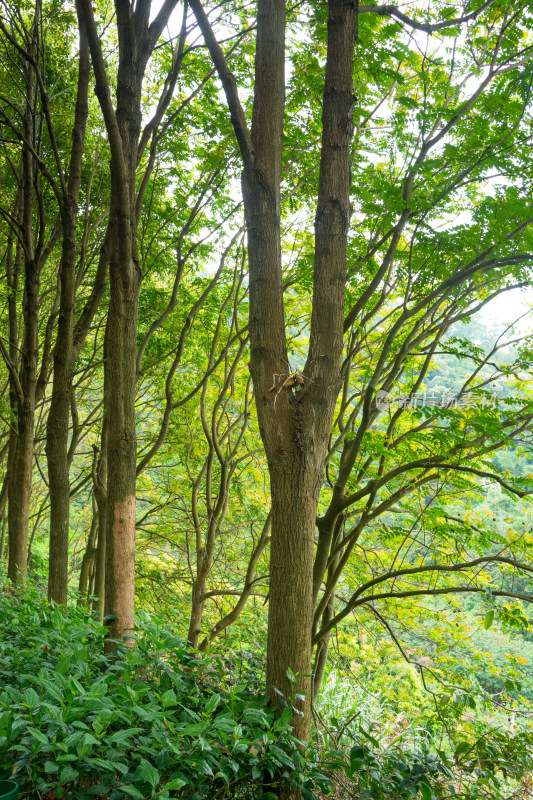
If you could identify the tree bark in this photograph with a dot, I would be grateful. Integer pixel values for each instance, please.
(137, 39)
(295, 423)
(57, 429)
(100, 494)
(24, 388)
(87, 562)
(3, 538)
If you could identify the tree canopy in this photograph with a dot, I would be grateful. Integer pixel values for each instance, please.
(246, 250)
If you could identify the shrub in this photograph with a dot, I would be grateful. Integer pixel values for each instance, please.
(151, 721)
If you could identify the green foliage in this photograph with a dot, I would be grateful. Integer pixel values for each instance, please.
(493, 766)
(153, 721)
(395, 771)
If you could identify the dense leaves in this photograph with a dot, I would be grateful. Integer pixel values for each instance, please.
(152, 721)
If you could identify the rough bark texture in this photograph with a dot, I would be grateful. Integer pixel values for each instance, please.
(89, 556)
(13, 266)
(137, 39)
(120, 380)
(3, 518)
(21, 456)
(294, 424)
(100, 494)
(57, 430)
(198, 598)
(3, 537)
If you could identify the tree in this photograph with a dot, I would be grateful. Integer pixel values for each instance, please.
(51, 211)
(295, 429)
(138, 38)
(384, 128)
(295, 409)
(30, 242)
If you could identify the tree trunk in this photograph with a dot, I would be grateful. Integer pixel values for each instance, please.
(89, 557)
(22, 458)
(57, 428)
(3, 537)
(321, 653)
(3, 517)
(294, 487)
(23, 385)
(119, 407)
(197, 602)
(294, 424)
(100, 495)
(315, 401)
(138, 37)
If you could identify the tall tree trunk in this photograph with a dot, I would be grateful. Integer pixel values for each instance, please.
(22, 459)
(120, 379)
(59, 414)
(120, 347)
(89, 556)
(23, 385)
(3, 518)
(100, 495)
(294, 425)
(3, 538)
(138, 37)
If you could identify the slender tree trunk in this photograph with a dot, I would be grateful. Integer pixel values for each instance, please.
(197, 604)
(3, 537)
(138, 37)
(119, 404)
(321, 653)
(22, 458)
(3, 516)
(120, 347)
(100, 494)
(204, 560)
(24, 388)
(294, 425)
(59, 414)
(91, 588)
(89, 557)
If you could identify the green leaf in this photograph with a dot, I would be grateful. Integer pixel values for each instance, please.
(426, 791)
(89, 739)
(101, 763)
(256, 716)
(68, 774)
(31, 698)
(148, 773)
(489, 618)
(38, 735)
(169, 698)
(358, 755)
(462, 747)
(175, 784)
(212, 703)
(130, 790)
(195, 728)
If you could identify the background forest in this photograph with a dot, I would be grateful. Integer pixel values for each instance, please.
(266, 409)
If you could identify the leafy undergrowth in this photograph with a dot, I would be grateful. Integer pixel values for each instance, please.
(374, 755)
(153, 721)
